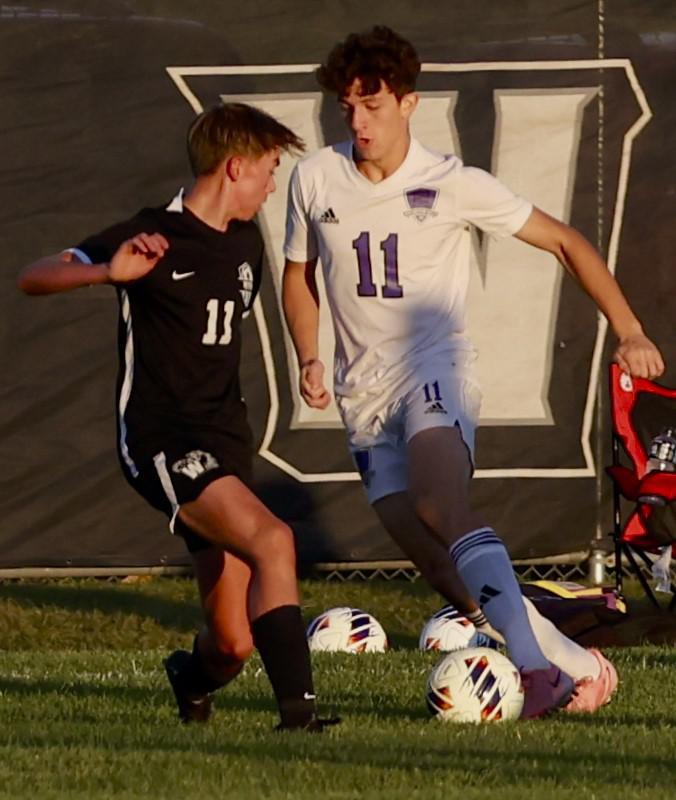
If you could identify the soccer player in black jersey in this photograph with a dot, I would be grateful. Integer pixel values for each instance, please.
(185, 274)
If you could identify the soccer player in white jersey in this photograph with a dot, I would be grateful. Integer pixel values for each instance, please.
(389, 220)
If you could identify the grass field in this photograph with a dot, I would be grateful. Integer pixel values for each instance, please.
(85, 711)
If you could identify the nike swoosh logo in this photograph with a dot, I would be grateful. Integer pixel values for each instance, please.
(308, 696)
(197, 702)
(179, 276)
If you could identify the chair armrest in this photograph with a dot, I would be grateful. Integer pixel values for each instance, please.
(625, 480)
(658, 484)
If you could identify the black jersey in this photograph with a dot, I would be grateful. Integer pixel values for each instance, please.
(179, 326)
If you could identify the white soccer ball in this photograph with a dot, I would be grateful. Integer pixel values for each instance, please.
(449, 630)
(346, 630)
(477, 684)
(446, 630)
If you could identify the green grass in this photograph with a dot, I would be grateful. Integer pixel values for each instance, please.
(163, 612)
(85, 712)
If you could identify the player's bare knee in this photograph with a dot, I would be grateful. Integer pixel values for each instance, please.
(237, 649)
(283, 544)
(226, 646)
(274, 544)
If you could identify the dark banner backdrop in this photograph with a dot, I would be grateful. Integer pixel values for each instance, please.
(571, 104)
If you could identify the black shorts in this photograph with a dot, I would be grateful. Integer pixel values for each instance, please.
(170, 469)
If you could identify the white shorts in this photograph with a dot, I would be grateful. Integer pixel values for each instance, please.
(378, 438)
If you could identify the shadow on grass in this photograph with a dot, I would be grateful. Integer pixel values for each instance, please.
(402, 641)
(177, 615)
(506, 765)
(151, 697)
(618, 721)
(499, 764)
(225, 700)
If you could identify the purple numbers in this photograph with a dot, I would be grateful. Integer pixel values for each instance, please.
(366, 287)
(432, 395)
(392, 287)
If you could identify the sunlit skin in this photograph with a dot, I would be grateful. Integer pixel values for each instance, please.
(236, 190)
(378, 125)
(256, 180)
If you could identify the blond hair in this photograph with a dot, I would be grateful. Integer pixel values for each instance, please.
(235, 129)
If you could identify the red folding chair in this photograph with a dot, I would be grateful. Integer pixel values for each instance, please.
(640, 410)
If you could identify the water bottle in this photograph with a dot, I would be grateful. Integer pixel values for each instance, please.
(661, 458)
(662, 453)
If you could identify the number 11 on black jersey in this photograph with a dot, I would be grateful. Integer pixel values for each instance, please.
(213, 308)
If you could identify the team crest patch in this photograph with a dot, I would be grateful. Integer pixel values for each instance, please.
(421, 201)
(245, 275)
(194, 464)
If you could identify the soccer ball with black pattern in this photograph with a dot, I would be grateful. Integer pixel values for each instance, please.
(346, 630)
(449, 630)
(476, 684)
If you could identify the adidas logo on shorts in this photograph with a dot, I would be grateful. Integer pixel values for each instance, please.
(329, 216)
(435, 408)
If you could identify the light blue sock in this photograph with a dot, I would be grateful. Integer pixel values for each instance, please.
(484, 565)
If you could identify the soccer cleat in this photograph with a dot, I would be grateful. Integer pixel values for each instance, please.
(191, 708)
(315, 725)
(592, 693)
(545, 690)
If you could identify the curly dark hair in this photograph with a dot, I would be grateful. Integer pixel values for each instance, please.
(374, 55)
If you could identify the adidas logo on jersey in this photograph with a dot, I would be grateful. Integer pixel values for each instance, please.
(329, 216)
(435, 408)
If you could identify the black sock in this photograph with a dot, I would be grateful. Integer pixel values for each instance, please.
(195, 678)
(279, 636)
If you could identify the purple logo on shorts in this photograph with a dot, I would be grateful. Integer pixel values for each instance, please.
(420, 201)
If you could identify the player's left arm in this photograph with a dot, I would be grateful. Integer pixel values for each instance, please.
(635, 352)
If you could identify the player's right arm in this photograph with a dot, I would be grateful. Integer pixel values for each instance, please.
(133, 259)
(300, 300)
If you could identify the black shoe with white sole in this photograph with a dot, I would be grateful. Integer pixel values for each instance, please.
(191, 708)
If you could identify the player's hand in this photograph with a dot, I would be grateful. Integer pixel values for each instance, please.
(312, 388)
(638, 356)
(136, 257)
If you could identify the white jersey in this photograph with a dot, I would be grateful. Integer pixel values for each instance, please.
(395, 255)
